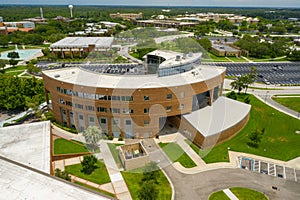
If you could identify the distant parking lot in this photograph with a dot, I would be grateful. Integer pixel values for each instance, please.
(268, 168)
(269, 73)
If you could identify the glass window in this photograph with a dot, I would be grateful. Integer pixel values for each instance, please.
(146, 110)
(181, 106)
(61, 101)
(146, 98)
(102, 109)
(181, 95)
(127, 111)
(91, 108)
(115, 110)
(146, 122)
(128, 122)
(169, 96)
(168, 108)
(81, 117)
(103, 120)
(91, 119)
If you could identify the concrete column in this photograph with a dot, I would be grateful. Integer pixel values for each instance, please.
(211, 98)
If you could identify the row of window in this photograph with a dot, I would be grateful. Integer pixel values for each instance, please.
(102, 120)
(113, 110)
(94, 96)
(109, 98)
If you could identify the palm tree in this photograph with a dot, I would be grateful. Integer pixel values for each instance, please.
(92, 135)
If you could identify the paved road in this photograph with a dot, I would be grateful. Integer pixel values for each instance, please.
(201, 185)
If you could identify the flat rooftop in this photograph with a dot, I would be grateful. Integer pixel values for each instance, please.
(83, 42)
(171, 60)
(223, 114)
(83, 77)
(19, 182)
(28, 144)
(225, 48)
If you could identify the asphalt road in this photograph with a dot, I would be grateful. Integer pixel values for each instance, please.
(201, 185)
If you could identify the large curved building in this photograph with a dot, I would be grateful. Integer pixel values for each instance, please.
(135, 101)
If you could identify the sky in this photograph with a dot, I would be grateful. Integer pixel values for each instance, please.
(224, 3)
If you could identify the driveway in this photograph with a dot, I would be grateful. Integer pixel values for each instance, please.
(201, 185)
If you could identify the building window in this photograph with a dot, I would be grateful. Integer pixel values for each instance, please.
(69, 103)
(102, 120)
(115, 110)
(81, 117)
(169, 96)
(90, 108)
(146, 98)
(146, 110)
(71, 114)
(181, 106)
(168, 108)
(61, 101)
(78, 106)
(91, 119)
(58, 89)
(146, 122)
(181, 95)
(102, 109)
(128, 122)
(127, 111)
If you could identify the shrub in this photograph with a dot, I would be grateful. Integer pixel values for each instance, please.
(110, 137)
(120, 138)
(62, 174)
(88, 164)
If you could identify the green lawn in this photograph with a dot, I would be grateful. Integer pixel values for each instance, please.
(214, 58)
(17, 68)
(220, 195)
(95, 189)
(278, 142)
(235, 59)
(247, 194)
(99, 175)
(115, 152)
(176, 154)
(133, 181)
(290, 102)
(2, 49)
(62, 146)
(193, 146)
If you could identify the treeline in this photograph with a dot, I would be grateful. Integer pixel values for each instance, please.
(20, 93)
(264, 47)
(102, 12)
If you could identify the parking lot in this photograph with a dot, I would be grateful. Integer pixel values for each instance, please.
(270, 169)
(269, 73)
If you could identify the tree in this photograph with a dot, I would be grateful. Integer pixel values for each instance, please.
(92, 136)
(62, 174)
(205, 43)
(148, 191)
(13, 55)
(13, 62)
(2, 64)
(255, 137)
(238, 84)
(88, 164)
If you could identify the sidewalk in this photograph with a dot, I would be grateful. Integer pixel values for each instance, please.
(233, 157)
(116, 177)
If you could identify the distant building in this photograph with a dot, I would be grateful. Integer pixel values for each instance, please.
(81, 45)
(9, 27)
(165, 23)
(127, 16)
(225, 50)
